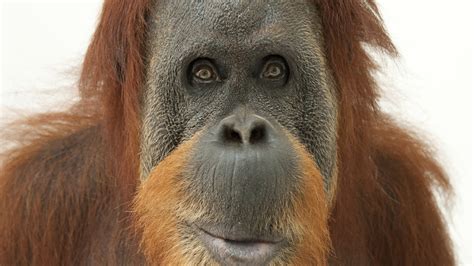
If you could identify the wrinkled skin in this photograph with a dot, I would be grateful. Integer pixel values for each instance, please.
(235, 40)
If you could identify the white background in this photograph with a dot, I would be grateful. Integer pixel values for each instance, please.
(430, 86)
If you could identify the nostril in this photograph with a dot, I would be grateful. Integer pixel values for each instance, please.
(257, 134)
(231, 135)
(242, 131)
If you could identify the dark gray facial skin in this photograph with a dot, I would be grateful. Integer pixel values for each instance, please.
(236, 39)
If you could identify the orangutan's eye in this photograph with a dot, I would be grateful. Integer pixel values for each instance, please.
(274, 68)
(203, 71)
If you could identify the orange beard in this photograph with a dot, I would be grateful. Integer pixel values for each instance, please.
(161, 205)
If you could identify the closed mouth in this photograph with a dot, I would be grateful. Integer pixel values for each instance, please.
(239, 248)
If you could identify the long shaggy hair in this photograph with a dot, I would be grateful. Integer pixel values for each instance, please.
(58, 184)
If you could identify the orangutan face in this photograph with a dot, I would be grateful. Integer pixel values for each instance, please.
(239, 95)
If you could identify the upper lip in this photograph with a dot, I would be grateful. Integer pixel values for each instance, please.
(236, 247)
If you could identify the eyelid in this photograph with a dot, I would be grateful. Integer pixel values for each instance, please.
(202, 62)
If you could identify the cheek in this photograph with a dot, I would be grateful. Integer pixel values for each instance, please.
(163, 112)
(317, 127)
(201, 112)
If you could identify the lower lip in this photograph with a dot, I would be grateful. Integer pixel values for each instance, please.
(239, 252)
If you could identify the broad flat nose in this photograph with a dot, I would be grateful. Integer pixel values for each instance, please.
(245, 129)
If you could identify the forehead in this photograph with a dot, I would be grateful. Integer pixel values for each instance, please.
(241, 17)
(234, 22)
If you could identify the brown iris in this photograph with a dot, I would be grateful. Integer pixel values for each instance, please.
(203, 71)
